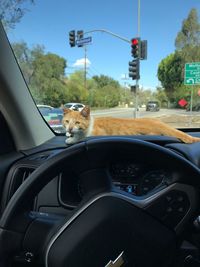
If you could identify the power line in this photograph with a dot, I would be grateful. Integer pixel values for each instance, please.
(90, 75)
(93, 73)
(96, 70)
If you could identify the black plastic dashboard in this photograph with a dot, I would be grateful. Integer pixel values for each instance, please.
(64, 192)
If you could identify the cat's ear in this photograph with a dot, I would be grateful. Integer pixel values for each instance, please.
(85, 112)
(66, 110)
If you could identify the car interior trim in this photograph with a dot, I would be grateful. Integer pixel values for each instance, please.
(24, 135)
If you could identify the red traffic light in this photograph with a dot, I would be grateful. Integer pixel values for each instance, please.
(135, 41)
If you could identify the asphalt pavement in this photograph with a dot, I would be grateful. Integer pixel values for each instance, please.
(175, 117)
(129, 112)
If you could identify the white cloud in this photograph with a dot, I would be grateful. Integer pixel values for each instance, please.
(81, 62)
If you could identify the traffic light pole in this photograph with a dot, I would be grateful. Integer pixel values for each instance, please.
(137, 80)
(109, 32)
(136, 99)
(138, 33)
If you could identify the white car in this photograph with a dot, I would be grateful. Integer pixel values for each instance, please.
(45, 108)
(74, 106)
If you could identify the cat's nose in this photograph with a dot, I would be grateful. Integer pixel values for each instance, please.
(70, 129)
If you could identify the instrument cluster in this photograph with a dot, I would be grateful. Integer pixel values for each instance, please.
(138, 179)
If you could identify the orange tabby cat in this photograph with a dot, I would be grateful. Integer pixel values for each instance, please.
(78, 125)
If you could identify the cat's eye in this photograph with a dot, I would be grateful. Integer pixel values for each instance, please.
(77, 122)
(66, 121)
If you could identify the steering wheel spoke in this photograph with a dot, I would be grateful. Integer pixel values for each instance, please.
(173, 205)
(37, 235)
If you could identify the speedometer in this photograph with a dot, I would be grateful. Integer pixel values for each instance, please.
(151, 180)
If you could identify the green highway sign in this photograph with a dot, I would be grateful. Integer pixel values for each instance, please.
(192, 73)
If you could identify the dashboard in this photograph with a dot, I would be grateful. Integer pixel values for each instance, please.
(65, 191)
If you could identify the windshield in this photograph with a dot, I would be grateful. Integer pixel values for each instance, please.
(123, 59)
(68, 105)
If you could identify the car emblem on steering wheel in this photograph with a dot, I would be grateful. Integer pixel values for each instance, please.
(118, 262)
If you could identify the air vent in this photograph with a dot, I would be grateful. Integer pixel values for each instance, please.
(19, 176)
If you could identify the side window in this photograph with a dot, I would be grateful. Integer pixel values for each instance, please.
(76, 107)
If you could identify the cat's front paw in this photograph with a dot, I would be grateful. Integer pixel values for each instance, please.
(70, 141)
(68, 134)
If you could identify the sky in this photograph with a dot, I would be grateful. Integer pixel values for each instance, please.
(48, 23)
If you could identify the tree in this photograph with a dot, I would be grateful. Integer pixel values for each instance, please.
(188, 39)
(11, 11)
(170, 72)
(76, 91)
(104, 80)
(47, 83)
(45, 75)
(190, 32)
(105, 91)
(161, 96)
(108, 96)
(144, 96)
(25, 57)
(171, 69)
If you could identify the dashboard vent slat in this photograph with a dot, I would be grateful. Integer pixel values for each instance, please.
(19, 176)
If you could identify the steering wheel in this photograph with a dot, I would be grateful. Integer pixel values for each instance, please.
(109, 227)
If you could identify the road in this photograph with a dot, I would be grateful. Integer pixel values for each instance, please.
(174, 117)
(129, 113)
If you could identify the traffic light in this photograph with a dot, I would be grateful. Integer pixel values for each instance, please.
(134, 69)
(79, 36)
(72, 38)
(135, 47)
(143, 49)
(133, 88)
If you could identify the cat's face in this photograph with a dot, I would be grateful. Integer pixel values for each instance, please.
(76, 124)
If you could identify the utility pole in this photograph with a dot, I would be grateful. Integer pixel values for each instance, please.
(85, 68)
(125, 78)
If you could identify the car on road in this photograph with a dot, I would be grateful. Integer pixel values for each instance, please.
(44, 109)
(41, 107)
(152, 106)
(53, 117)
(74, 106)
